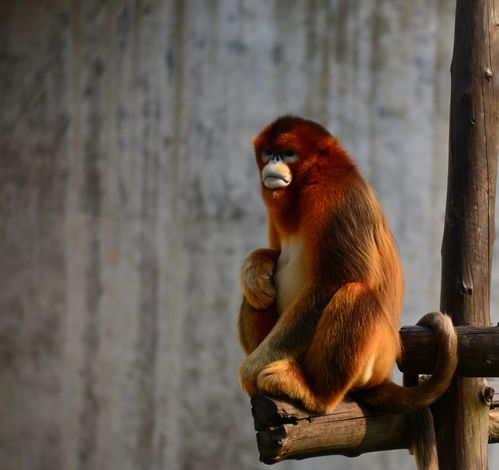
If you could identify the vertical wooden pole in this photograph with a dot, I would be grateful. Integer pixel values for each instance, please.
(461, 416)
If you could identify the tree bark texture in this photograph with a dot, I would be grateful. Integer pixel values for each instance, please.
(461, 417)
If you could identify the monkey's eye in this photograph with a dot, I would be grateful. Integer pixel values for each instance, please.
(290, 155)
(266, 154)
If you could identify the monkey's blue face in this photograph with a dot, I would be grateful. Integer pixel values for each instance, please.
(286, 155)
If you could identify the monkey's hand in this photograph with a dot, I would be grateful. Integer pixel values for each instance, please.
(249, 370)
(257, 278)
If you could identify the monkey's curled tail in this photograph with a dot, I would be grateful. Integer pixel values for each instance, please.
(394, 398)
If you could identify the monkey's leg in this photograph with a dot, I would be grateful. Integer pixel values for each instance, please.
(343, 352)
(354, 345)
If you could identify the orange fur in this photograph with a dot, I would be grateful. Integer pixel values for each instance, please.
(329, 291)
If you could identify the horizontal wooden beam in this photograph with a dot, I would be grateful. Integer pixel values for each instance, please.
(478, 351)
(284, 431)
(287, 432)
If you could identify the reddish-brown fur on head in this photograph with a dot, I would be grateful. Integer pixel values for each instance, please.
(321, 305)
(318, 174)
(319, 152)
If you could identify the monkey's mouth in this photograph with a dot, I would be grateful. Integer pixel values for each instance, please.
(274, 179)
(272, 182)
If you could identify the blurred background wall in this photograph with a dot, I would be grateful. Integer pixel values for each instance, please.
(129, 196)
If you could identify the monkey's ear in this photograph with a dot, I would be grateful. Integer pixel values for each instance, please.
(256, 140)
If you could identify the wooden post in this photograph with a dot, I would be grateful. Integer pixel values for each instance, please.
(461, 415)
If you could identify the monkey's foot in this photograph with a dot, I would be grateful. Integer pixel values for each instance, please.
(285, 377)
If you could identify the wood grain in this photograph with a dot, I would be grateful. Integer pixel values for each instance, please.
(285, 431)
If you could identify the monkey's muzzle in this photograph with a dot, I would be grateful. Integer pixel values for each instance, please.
(276, 175)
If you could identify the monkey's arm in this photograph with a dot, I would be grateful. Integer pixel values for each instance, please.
(287, 339)
(254, 325)
(257, 315)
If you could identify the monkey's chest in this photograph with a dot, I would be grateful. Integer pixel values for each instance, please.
(291, 272)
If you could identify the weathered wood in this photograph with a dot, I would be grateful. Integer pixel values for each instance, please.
(477, 346)
(461, 418)
(287, 432)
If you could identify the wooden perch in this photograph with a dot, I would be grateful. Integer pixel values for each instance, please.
(478, 350)
(287, 432)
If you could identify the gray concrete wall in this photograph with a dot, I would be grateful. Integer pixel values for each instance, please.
(129, 196)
